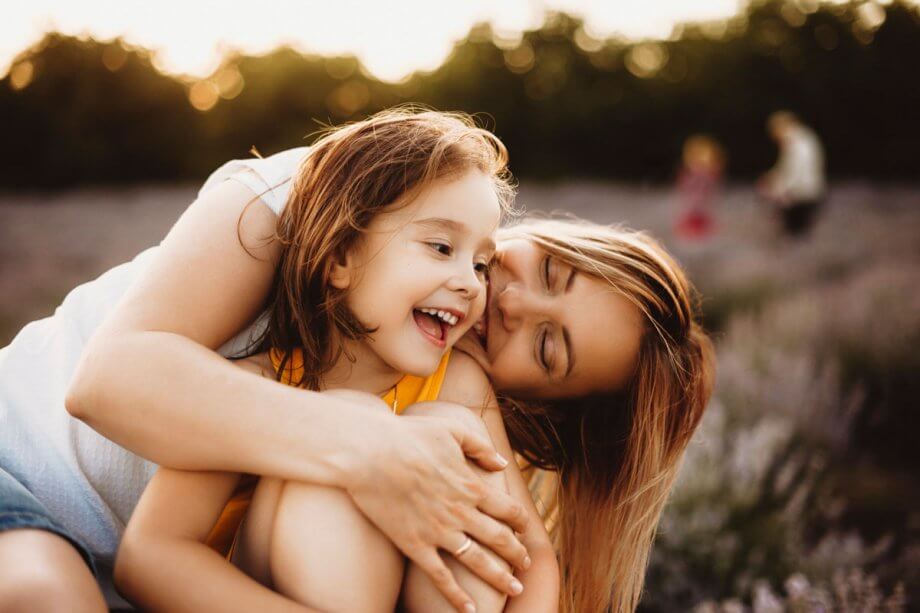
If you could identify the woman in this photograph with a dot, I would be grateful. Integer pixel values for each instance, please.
(190, 409)
(598, 326)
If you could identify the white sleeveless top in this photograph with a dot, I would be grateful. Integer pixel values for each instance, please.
(88, 483)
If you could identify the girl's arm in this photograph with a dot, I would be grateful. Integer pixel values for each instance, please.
(150, 380)
(467, 384)
(163, 563)
(541, 579)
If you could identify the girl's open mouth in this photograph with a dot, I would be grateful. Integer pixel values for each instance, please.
(435, 324)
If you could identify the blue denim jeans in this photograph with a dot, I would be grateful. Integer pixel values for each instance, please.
(19, 509)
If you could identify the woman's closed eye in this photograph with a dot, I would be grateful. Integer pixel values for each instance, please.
(546, 351)
(544, 270)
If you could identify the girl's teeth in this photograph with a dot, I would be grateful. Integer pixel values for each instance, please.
(442, 315)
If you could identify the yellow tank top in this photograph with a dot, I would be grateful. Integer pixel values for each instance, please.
(409, 390)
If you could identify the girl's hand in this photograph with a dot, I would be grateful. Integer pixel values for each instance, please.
(411, 479)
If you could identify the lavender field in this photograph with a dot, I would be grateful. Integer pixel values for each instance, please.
(801, 490)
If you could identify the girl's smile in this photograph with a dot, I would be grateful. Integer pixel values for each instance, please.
(435, 323)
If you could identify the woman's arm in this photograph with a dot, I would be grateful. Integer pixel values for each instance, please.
(163, 563)
(150, 380)
(149, 377)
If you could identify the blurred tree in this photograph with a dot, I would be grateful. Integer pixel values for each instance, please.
(93, 112)
(565, 104)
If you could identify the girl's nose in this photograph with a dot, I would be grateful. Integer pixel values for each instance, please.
(467, 283)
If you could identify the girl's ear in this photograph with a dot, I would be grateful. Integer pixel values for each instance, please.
(342, 271)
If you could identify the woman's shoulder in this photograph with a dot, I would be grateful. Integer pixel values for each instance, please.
(268, 177)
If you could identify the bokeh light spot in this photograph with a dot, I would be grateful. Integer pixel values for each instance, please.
(340, 67)
(520, 59)
(114, 57)
(229, 82)
(506, 40)
(203, 95)
(792, 15)
(807, 6)
(870, 15)
(21, 75)
(348, 98)
(587, 42)
(646, 59)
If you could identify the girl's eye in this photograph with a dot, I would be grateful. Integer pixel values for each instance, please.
(442, 248)
(482, 268)
(546, 272)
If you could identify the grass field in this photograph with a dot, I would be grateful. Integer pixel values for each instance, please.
(801, 484)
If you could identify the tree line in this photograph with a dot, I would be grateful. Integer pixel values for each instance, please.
(78, 110)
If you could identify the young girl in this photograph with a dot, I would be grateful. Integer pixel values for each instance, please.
(388, 235)
(699, 181)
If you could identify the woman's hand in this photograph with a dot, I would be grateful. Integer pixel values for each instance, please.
(411, 479)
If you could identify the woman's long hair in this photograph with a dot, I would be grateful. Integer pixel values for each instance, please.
(351, 174)
(606, 463)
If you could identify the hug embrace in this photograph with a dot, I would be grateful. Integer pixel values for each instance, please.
(352, 378)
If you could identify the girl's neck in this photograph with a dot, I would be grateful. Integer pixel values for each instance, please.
(366, 372)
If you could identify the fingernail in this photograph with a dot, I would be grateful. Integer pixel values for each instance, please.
(469, 607)
(516, 587)
(526, 562)
(501, 460)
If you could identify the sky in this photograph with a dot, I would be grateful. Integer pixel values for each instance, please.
(392, 38)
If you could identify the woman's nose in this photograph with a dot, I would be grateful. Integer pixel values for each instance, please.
(516, 303)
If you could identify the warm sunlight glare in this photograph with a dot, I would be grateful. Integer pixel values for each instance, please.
(392, 39)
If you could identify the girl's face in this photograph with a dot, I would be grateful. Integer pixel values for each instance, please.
(417, 277)
(552, 331)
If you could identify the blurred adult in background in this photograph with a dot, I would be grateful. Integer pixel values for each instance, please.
(795, 187)
(699, 180)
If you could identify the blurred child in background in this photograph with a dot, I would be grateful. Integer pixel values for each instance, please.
(699, 181)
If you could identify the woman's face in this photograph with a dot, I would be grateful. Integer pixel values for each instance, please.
(552, 331)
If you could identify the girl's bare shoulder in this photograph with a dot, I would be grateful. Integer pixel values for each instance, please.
(466, 383)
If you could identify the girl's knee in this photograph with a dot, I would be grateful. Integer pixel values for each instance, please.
(44, 572)
(419, 594)
(322, 546)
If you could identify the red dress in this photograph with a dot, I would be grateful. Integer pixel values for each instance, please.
(696, 189)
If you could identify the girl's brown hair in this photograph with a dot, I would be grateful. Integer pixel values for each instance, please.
(351, 174)
(606, 463)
